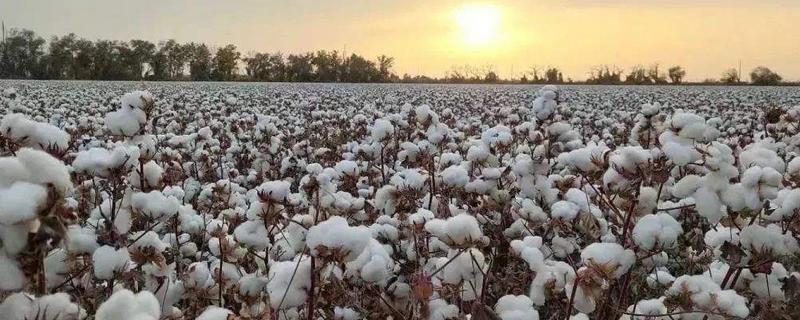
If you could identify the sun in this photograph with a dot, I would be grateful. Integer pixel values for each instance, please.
(477, 23)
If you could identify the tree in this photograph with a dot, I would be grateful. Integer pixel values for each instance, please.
(676, 74)
(763, 76)
(491, 77)
(385, 67)
(141, 52)
(23, 53)
(199, 59)
(730, 76)
(655, 76)
(299, 67)
(326, 65)
(225, 63)
(637, 75)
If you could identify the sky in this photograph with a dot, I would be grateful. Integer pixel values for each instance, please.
(431, 36)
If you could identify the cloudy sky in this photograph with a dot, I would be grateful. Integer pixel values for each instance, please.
(704, 36)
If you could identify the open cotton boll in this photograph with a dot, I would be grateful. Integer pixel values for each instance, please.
(18, 128)
(656, 230)
(99, 161)
(11, 276)
(611, 255)
(125, 305)
(289, 282)
(758, 155)
(125, 122)
(564, 210)
(214, 313)
(465, 268)
(341, 313)
(20, 202)
(511, 307)
(45, 169)
(16, 306)
(455, 176)
(151, 177)
(252, 233)
(55, 306)
(409, 179)
(459, 230)
(382, 129)
(334, 235)
(276, 191)
(706, 294)
(651, 309)
(154, 204)
(107, 262)
(768, 239)
(439, 309)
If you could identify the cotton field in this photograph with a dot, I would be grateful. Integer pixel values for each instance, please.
(218, 201)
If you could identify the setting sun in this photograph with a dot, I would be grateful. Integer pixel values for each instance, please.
(478, 23)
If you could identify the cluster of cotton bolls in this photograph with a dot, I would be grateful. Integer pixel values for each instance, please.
(252, 202)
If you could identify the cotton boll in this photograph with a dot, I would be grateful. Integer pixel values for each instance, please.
(512, 307)
(20, 202)
(653, 230)
(55, 306)
(336, 234)
(16, 306)
(107, 262)
(340, 313)
(458, 230)
(564, 210)
(45, 169)
(124, 305)
(285, 281)
(11, 276)
(439, 309)
(214, 313)
(455, 176)
(609, 254)
(647, 310)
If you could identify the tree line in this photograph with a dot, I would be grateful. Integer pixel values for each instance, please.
(25, 55)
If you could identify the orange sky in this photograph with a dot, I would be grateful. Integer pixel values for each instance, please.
(704, 36)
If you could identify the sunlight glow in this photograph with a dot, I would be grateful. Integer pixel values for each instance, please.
(478, 24)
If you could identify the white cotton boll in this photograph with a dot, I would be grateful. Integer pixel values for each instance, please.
(108, 262)
(770, 286)
(124, 305)
(708, 205)
(20, 202)
(54, 307)
(99, 162)
(659, 278)
(152, 175)
(290, 279)
(335, 233)
(214, 313)
(458, 230)
(276, 190)
(653, 230)
(252, 233)
(45, 169)
(564, 210)
(609, 254)
(439, 309)
(125, 122)
(16, 306)
(81, 239)
(382, 129)
(340, 313)
(528, 210)
(679, 154)
(647, 310)
(455, 176)
(11, 276)
(348, 167)
(717, 236)
(511, 307)
(154, 204)
(758, 155)
(478, 153)
(579, 316)
(687, 186)
(793, 168)
(768, 239)
(409, 179)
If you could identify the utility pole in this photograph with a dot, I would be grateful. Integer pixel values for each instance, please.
(740, 70)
